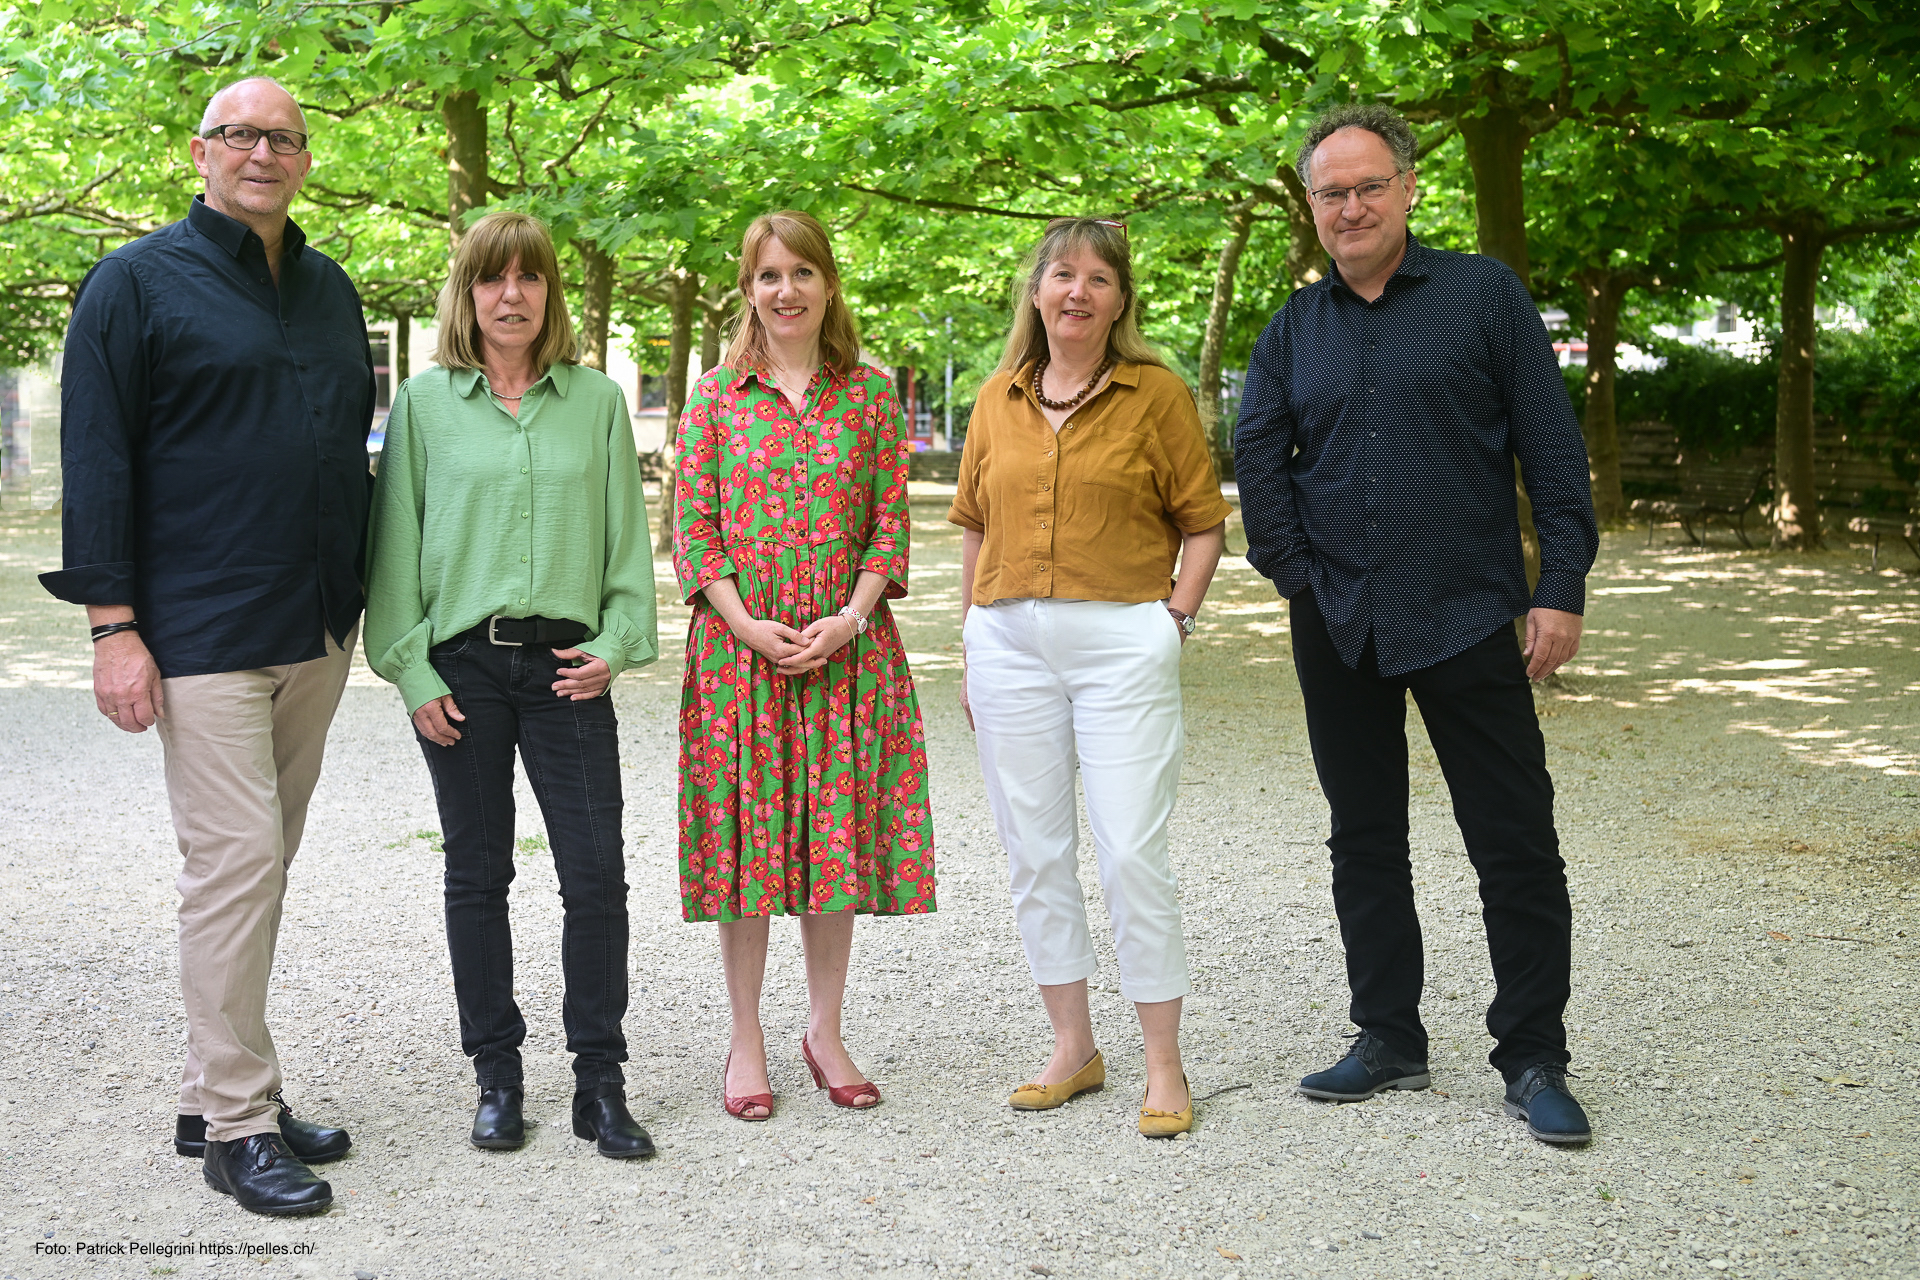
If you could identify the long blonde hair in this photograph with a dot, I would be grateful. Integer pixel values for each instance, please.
(488, 248)
(804, 237)
(1027, 339)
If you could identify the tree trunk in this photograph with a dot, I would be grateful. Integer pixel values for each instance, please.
(1306, 256)
(1496, 147)
(596, 303)
(466, 121)
(402, 350)
(682, 288)
(711, 318)
(1604, 290)
(1239, 227)
(1796, 507)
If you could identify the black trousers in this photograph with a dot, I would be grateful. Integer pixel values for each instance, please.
(571, 753)
(1480, 717)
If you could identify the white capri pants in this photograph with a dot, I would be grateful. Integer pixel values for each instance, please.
(1052, 680)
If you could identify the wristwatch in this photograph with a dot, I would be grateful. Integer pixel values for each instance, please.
(1186, 620)
(856, 617)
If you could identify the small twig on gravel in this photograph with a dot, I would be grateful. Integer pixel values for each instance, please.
(1217, 1092)
(1834, 937)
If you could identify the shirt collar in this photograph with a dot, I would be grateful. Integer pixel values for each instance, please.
(1125, 374)
(467, 382)
(740, 379)
(1414, 265)
(232, 234)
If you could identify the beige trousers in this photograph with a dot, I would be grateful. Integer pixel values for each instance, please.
(243, 751)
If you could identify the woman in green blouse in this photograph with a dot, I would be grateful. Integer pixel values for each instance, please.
(510, 579)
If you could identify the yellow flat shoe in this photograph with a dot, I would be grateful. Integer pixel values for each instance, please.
(1045, 1097)
(1165, 1124)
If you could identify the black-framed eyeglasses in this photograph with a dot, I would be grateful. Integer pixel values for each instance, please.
(244, 137)
(1372, 191)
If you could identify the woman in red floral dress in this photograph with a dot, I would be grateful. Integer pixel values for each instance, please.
(803, 764)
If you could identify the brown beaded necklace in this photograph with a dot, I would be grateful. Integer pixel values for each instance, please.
(1058, 406)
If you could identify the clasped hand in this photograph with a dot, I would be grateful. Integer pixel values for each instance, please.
(795, 653)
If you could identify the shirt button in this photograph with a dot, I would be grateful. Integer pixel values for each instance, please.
(1043, 524)
(523, 471)
(1372, 434)
(526, 515)
(1043, 568)
(1049, 453)
(523, 599)
(523, 559)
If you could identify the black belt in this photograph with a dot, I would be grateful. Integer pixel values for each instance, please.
(518, 631)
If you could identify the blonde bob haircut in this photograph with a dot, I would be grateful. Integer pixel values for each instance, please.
(488, 248)
(1107, 240)
(804, 238)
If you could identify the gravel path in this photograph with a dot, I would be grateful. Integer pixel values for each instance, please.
(1739, 773)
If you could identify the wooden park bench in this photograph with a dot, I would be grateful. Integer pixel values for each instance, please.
(1899, 524)
(1729, 489)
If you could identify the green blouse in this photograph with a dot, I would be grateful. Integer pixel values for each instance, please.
(477, 512)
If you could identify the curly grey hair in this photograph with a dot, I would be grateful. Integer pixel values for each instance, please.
(1389, 125)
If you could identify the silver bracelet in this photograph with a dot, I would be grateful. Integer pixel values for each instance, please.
(858, 618)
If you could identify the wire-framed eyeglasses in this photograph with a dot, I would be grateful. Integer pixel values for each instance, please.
(244, 137)
(1372, 191)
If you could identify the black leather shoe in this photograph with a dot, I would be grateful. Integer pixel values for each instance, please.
(601, 1114)
(497, 1122)
(1539, 1095)
(314, 1144)
(1369, 1068)
(263, 1176)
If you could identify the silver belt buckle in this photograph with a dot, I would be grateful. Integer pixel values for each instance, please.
(493, 634)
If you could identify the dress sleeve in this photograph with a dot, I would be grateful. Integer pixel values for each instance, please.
(1192, 485)
(628, 632)
(886, 550)
(104, 393)
(699, 550)
(398, 632)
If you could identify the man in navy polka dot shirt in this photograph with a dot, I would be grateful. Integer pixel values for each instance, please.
(1384, 410)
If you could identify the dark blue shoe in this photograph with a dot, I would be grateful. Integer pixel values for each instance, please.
(1369, 1068)
(1540, 1097)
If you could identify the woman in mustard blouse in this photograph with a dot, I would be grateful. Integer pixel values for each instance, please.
(510, 579)
(1084, 477)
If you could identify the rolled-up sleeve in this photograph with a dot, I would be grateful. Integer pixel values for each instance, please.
(628, 632)
(398, 631)
(699, 551)
(966, 510)
(1191, 486)
(1553, 455)
(104, 399)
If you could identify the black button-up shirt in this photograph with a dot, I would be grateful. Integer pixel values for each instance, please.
(1375, 458)
(213, 432)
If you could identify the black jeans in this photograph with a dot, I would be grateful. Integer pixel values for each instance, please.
(1480, 718)
(571, 751)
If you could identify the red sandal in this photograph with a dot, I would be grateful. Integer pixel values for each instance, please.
(738, 1107)
(845, 1095)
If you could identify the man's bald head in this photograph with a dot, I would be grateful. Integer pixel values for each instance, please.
(241, 94)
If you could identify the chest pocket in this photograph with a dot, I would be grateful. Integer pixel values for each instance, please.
(1118, 461)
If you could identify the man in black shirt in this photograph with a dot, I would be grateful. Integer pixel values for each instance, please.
(216, 396)
(1384, 409)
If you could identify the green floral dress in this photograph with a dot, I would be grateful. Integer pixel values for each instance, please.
(803, 794)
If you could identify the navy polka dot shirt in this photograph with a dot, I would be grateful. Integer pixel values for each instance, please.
(1375, 458)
